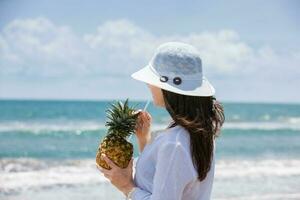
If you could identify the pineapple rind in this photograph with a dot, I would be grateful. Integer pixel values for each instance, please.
(121, 124)
(115, 148)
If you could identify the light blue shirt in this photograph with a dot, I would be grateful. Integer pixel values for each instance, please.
(164, 170)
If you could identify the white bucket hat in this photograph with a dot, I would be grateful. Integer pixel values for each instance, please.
(176, 67)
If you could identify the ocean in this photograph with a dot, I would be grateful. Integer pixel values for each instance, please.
(47, 150)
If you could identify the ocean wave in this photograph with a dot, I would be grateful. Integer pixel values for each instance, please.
(22, 174)
(262, 125)
(46, 127)
(273, 196)
(40, 127)
(257, 168)
(77, 127)
(25, 173)
(292, 120)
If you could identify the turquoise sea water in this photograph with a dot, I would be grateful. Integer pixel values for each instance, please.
(47, 150)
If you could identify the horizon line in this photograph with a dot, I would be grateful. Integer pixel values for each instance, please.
(135, 99)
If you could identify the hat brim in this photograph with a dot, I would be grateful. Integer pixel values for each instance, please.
(187, 87)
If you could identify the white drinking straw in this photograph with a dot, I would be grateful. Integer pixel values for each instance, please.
(146, 105)
(145, 108)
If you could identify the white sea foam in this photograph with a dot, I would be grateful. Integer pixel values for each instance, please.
(44, 126)
(273, 196)
(23, 173)
(261, 125)
(71, 126)
(78, 126)
(257, 168)
(292, 120)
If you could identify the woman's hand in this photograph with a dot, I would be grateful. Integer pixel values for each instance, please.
(142, 129)
(119, 177)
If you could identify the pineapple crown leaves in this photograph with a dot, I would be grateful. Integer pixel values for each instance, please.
(121, 119)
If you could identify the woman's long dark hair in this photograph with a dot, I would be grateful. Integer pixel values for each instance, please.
(202, 117)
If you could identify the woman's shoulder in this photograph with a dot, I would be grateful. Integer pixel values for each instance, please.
(174, 137)
(174, 133)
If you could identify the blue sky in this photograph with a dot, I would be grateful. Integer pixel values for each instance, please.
(88, 49)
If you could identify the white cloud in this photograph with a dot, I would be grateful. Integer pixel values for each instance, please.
(222, 51)
(39, 48)
(119, 45)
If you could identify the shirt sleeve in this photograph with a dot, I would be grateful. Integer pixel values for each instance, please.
(173, 171)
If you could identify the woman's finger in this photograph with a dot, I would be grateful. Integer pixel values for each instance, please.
(138, 125)
(101, 169)
(106, 176)
(148, 115)
(146, 121)
(144, 117)
(130, 163)
(109, 162)
(106, 173)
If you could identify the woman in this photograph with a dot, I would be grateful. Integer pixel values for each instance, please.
(179, 163)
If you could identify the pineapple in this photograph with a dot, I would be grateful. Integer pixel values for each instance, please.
(121, 124)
